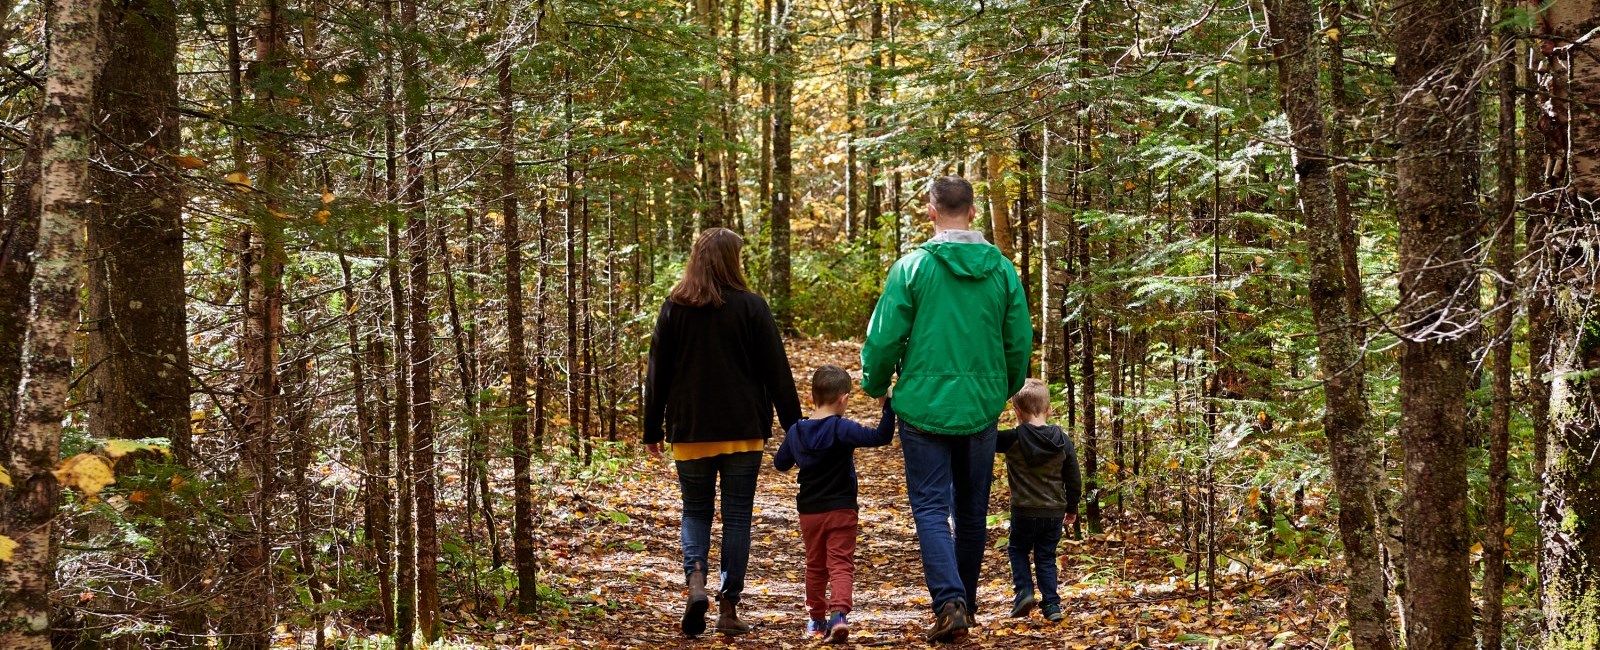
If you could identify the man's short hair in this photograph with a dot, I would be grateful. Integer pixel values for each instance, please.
(951, 195)
(1033, 399)
(828, 383)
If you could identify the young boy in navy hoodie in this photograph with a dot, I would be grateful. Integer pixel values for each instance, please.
(1042, 468)
(824, 445)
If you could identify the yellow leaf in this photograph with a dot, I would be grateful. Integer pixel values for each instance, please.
(119, 448)
(1476, 549)
(87, 472)
(322, 216)
(1333, 34)
(1112, 467)
(5, 477)
(8, 547)
(327, 197)
(237, 178)
(340, 78)
(1128, 185)
(1206, 91)
(188, 162)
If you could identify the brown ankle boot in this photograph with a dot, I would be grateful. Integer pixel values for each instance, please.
(728, 623)
(694, 610)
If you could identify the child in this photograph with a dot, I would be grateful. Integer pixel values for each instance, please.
(1042, 468)
(823, 445)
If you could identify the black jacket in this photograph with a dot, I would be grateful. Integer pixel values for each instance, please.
(716, 373)
(1042, 468)
(825, 451)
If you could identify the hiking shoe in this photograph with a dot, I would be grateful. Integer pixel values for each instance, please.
(815, 628)
(1024, 606)
(1052, 613)
(728, 623)
(694, 610)
(950, 626)
(838, 628)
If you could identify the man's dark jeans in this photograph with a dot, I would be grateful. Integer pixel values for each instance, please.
(697, 479)
(1036, 536)
(936, 463)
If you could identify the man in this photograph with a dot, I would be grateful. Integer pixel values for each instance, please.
(953, 321)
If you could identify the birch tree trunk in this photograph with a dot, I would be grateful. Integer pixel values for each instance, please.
(1351, 448)
(29, 506)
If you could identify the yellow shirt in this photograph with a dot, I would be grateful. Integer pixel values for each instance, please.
(698, 450)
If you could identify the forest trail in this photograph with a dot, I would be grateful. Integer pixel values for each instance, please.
(1119, 590)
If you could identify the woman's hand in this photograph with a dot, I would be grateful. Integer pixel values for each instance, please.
(654, 449)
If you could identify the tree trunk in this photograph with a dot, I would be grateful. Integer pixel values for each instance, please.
(1505, 244)
(1091, 413)
(137, 350)
(19, 234)
(422, 411)
(405, 605)
(516, 355)
(782, 160)
(1435, 123)
(1000, 205)
(1351, 448)
(28, 508)
(1569, 518)
(250, 611)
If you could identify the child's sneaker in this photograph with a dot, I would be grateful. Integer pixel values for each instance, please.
(1051, 613)
(838, 628)
(1024, 606)
(815, 628)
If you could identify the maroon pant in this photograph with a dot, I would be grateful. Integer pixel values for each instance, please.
(830, 560)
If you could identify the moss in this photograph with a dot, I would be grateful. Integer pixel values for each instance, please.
(1581, 630)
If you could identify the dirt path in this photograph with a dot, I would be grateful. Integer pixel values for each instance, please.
(619, 567)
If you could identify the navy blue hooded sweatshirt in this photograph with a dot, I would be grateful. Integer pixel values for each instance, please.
(825, 451)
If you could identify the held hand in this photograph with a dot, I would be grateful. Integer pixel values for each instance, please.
(654, 449)
(1070, 519)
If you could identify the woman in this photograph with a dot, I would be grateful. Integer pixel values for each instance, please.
(717, 370)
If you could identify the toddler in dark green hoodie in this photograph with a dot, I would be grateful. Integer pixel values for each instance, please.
(1042, 468)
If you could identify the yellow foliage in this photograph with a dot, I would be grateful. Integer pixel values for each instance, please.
(119, 448)
(237, 178)
(87, 472)
(8, 547)
(5, 477)
(188, 162)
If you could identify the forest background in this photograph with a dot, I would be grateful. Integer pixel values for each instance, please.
(323, 315)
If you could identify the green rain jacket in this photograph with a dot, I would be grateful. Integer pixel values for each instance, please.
(953, 321)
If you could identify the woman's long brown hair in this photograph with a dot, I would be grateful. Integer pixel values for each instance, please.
(713, 268)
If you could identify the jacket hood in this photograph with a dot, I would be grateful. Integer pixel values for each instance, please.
(965, 253)
(813, 438)
(1040, 444)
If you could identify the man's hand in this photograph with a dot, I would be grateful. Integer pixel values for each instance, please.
(1070, 519)
(654, 449)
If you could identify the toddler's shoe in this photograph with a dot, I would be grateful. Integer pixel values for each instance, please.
(838, 628)
(1024, 606)
(815, 628)
(1051, 613)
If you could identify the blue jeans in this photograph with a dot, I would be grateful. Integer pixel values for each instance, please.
(1036, 536)
(697, 480)
(947, 480)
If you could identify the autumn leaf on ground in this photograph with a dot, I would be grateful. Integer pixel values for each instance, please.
(8, 548)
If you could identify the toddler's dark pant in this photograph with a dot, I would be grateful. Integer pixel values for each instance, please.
(1038, 537)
